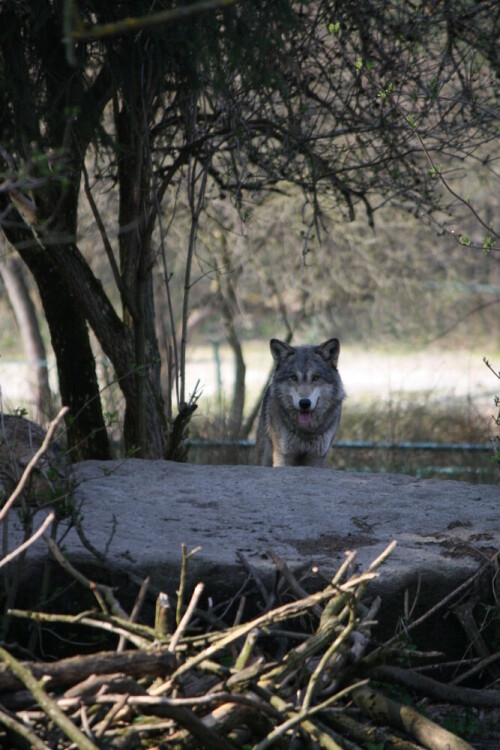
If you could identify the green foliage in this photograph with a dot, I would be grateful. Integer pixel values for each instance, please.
(488, 243)
(386, 92)
(437, 170)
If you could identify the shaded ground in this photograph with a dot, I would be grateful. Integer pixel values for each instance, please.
(254, 524)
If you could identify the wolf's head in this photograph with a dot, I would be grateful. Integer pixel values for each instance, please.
(307, 379)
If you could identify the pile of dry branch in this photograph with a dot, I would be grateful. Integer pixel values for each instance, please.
(264, 683)
(299, 675)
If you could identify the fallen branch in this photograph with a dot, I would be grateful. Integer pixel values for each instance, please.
(430, 735)
(446, 693)
(77, 668)
(294, 609)
(365, 734)
(49, 706)
(303, 717)
(492, 563)
(257, 684)
(20, 728)
(132, 632)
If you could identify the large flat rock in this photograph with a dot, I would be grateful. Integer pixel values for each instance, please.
(138, 513)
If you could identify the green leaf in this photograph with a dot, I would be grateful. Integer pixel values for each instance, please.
(434, 171)
(488, 243)
(387, 91)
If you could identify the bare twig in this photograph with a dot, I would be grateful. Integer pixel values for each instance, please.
(22, 547)
(127, 302)
(442, 692)
(303, 717)
(253, 573)
(195, 208)
(20, 728)
(479, 667)
(442, 603)
(49, 706)
(295, 586)
(182, 582)
(29, 468)
(104, 594)
(290, 610)
(186, 618)
(136, 609)
(79, 30)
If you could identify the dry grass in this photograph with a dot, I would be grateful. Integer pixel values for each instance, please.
(433, 396)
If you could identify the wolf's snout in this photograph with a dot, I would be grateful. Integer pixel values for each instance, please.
(305, 404)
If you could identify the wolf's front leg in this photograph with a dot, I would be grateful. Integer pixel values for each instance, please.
(280, 459)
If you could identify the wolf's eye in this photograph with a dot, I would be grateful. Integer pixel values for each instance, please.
(293, 378)
(315, 378)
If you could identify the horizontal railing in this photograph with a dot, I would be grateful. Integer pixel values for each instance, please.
(360, 445)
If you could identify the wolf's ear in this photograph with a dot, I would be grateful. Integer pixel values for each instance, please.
(280, 351)
(330, 351)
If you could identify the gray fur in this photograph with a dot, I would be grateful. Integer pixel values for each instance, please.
(301, 408)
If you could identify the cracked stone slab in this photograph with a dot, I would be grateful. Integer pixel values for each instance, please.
(139, 512)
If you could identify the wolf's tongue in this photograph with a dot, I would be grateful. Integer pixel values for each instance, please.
(304, 417)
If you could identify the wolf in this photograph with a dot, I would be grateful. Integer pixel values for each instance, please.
(301, 408)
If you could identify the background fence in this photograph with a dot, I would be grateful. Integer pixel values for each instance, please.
(473, 462)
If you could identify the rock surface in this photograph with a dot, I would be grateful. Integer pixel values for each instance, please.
(138, 513)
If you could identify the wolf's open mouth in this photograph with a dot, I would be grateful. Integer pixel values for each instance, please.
(305, 417)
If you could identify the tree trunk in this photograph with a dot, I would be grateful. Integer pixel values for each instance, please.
(87, 435)
(79, 389)
(118, 343)
(145, 427)
(228, 303)
(71, 294)
(22, 305)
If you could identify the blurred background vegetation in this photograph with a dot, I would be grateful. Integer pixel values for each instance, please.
(193, 193)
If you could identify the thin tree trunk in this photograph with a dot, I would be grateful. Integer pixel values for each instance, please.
(228, 302)
(195, 201)
(24, 310)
